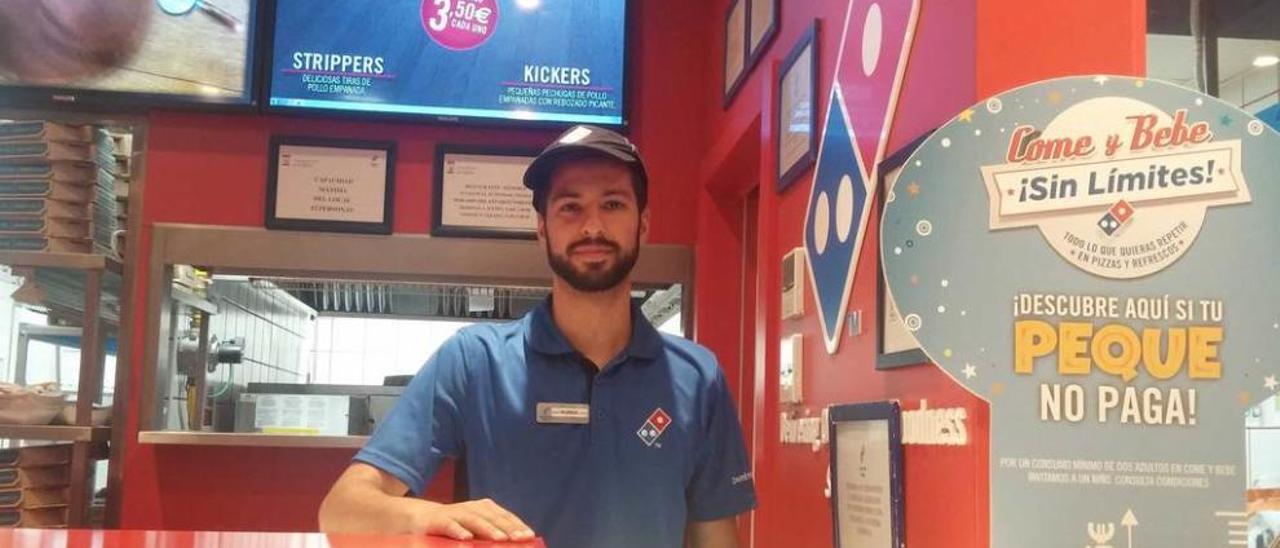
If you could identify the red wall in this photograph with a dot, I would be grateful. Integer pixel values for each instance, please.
(964, 50)
(211, 169)
(1024, 41)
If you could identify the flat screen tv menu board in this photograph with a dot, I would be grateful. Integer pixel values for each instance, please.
(127, 53)
(560, 61)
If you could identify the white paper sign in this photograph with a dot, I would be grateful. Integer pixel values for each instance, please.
(299, 414)
(331, 184)
(865, 490)
(486, 192)
(897, 335)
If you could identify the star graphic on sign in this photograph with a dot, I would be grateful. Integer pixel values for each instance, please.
(997, 388)
(966, 115)
(1055, 97)
(1100, 79)
(1270, 383)
(970, 371)
(1243, 396)
(913, 189)
(1226, 120)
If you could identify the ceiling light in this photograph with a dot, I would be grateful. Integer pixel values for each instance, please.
(1265, 60)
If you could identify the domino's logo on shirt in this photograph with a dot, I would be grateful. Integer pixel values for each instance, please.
(653, 427)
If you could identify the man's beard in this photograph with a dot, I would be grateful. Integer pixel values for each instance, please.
(596, 278)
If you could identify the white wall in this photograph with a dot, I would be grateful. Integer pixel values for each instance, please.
(365, 350)
(8, 328)
(1264, 459)
(274, 325)
(43, 364)
(1263, 432)
(1173, 58)
(672, 326)
(1254, 90)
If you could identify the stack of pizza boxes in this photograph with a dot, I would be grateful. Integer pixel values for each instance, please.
(57, 187)
(34, 486)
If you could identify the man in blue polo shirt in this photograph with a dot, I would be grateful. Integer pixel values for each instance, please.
(579, 423)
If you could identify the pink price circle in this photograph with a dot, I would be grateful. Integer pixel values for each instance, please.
(460, 24)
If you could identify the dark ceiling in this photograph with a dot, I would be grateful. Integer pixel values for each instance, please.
(1253, 19)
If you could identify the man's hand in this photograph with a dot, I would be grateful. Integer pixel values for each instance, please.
(482, 519)
(368, 500)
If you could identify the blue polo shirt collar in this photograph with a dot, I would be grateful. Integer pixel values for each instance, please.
(545, 337)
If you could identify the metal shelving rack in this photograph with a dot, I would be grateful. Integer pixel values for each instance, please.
(82, 434)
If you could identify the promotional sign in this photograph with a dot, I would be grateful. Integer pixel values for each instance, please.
(874, 44)
(1093, 256)
(525, 60)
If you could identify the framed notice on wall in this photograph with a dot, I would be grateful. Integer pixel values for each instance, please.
(763, 24)
(735, 49)
(866, 475)
(479, 193)
(897, 346)
(332, 185)
(797, 109)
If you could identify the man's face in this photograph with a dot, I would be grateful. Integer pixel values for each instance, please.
(592, 227)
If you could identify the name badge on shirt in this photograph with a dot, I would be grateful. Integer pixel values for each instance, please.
(564, 413)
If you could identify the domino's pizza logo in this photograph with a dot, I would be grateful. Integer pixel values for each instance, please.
(874, 46)
(836, 222)
(1115, 218)
(653, 427)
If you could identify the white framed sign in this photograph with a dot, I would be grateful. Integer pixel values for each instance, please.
(332, 185)
(896, 347)
(866, 474)
(797, 147)
(479, 192)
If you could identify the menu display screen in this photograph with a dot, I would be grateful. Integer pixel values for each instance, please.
(539, 60)
(127, 52)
